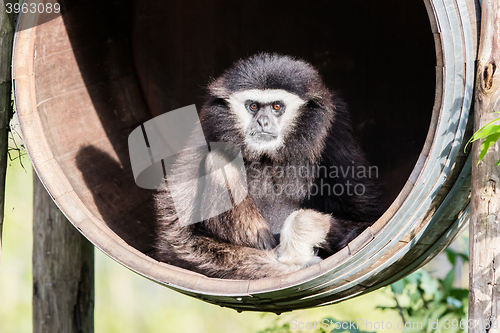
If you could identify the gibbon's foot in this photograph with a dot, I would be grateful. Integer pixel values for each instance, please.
(302, 231)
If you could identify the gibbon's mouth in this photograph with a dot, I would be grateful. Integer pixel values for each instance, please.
(263, 136)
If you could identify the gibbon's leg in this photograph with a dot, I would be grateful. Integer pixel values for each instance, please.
(302, 231)
(186, 247)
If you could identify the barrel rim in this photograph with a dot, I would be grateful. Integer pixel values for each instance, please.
(456, 62)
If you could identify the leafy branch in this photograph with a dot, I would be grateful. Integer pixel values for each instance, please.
(490, 133)
(420, 298)
(15, 151)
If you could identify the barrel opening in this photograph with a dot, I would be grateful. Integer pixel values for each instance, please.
(143, 58)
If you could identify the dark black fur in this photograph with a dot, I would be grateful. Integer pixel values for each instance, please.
(237, 243)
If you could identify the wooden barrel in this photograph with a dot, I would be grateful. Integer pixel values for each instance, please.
(86, 78)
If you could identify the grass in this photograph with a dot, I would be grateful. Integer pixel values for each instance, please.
(15, 274)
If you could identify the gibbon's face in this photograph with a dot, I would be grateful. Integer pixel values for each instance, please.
(266, 117)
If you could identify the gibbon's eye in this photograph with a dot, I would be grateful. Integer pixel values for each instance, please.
(277, 106)
(252, 106)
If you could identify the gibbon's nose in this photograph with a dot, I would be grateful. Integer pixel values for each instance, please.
(263, 122)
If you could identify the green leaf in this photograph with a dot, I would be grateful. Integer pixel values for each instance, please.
(484, 131)
(438, 312)
(447, 283)
(414, 278)
(460, 294)
(398, 287)
(430, 286)
(451, 256)
(487, 143)
(487, 130)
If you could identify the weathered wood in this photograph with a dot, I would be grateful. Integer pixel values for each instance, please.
(484, 235)
(63, 270)
(6, 36)
(75, 79)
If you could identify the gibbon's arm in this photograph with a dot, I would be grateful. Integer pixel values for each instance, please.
(208, 189)
(193, 248)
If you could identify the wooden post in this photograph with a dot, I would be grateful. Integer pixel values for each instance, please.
(484, 282)
(63, 270)
(6, 37)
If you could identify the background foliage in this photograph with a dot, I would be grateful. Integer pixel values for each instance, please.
(425, 303)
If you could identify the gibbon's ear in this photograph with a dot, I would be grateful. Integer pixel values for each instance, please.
(320, 104)
(314, 104)
(218, 102)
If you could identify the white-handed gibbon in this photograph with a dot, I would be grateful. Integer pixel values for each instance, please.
(310, 189)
